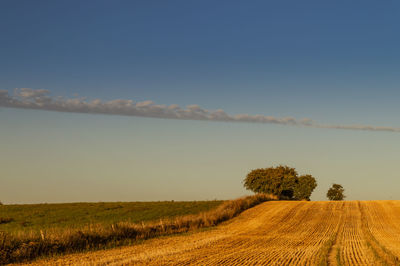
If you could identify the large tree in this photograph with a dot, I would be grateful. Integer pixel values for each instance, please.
(282, 181)
(336, 192)
(305, 186)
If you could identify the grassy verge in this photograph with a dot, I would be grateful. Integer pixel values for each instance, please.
(27, 246)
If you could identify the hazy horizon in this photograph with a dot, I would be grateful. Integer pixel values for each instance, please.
(309, 84)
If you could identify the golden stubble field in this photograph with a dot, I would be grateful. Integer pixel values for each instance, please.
(274, 233)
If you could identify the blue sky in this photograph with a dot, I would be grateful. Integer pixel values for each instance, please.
(336, 63)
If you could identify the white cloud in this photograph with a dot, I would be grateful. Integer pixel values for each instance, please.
(41, 99)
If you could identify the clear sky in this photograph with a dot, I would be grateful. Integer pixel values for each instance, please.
(334, 62)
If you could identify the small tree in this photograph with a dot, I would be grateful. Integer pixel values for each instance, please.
(336, 192)
(281, 181)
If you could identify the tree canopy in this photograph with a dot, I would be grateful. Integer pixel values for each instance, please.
(305, 186)
(336, 192)
(281, 181)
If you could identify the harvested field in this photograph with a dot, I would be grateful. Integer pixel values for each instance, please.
(274, 233)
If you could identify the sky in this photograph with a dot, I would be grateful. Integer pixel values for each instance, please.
(179, 100)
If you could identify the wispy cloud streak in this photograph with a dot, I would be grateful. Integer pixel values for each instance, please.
(42, 100)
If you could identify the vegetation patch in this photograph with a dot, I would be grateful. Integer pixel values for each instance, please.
(338, 260)
(36, 217)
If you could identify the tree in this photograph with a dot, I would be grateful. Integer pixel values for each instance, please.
(336, 192)
(281, 181)
(305, 186)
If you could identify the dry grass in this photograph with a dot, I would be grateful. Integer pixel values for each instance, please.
(27, 246)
